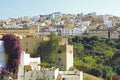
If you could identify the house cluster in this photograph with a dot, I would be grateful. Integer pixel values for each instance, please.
(63, 25)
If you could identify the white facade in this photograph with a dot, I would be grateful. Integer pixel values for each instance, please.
(105, 18)
(21, 68)
(35, 18)
(48, 21)
(81, 15)
(52, 29)
(14, 26)
(3, 62)
(69, 56)
(71, 75)
(57, 18)
(93, 14)
(25, 18)
(26, 60)
(50, 74)
(74, 31)
(33, 62)
(108, 24)
(86, 23)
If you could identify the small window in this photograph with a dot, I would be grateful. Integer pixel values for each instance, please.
(63, 79)
(33, 49)
(27, 43)
(59, 51)
(26, 50)
(70, 51)
(59, 59)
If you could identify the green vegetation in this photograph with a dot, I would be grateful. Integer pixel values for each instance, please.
(47, 51)
(90, 77)
(93, 55)
(96, 56)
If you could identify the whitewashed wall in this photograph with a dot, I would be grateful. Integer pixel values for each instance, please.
(2, 56)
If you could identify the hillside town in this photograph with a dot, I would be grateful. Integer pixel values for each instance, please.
(33, 30)
(63, 25)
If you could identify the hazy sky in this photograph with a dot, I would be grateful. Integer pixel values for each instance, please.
(18, 8)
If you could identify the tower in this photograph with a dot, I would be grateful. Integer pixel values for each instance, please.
(65, 56)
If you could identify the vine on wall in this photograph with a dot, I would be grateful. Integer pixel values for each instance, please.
(13, 50)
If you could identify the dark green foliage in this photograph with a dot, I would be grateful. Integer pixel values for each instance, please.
(45, 65)
(118, 45)
(97, 56)
(95, 71)
(48, 49)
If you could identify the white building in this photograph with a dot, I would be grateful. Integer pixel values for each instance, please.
(2, 56)
(105, 18)
(70, 75)
(48, 22)
(25, 18)
(35, 18)
(53, 74)
(73, 31)
(77, 21)
(107, 22)
(33, 62)
(13, 26)
(52, 29)
(26, 60)
(56, 17)
(92, 14)
(85, 23)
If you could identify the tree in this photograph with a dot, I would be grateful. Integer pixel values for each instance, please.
(97, 56)
(47, 49)
(90, 61)
(108, 72)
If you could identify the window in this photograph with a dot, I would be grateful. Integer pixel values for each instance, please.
(59, 51)
(27, 43)
(26, 50)
(63, 79)
(59, 59)
(33, 49)
(70, 51)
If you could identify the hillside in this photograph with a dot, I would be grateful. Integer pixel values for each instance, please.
(90, 77)
(97, 56)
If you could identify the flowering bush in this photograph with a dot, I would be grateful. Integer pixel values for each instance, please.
(4, 70)
(13, 49)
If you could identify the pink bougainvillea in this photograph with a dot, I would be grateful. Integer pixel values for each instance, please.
(13, 49)
(4, 70)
